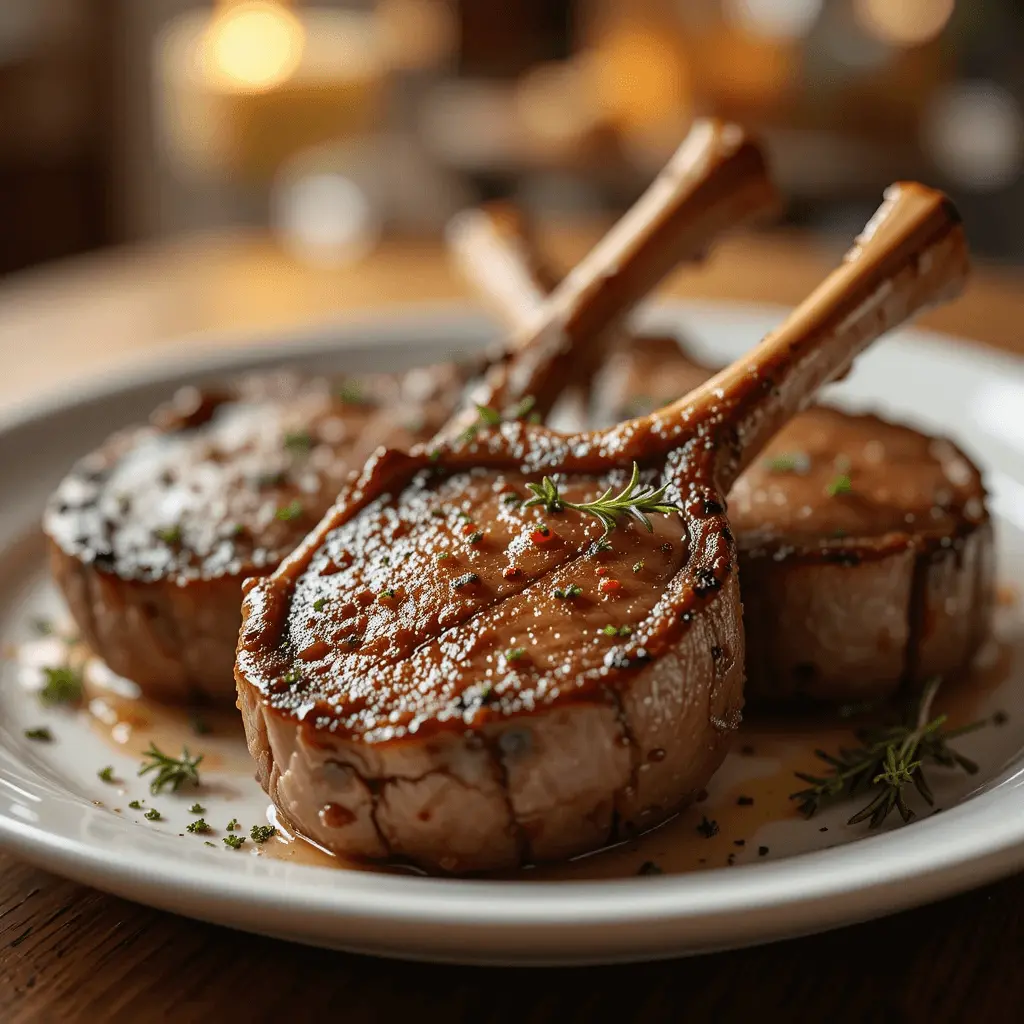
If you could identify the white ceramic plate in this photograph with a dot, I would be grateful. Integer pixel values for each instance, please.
(56, 812)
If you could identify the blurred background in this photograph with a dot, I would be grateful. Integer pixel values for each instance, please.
(334, 126)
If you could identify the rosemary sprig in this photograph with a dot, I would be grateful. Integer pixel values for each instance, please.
(171, 772)
(889, 759)
(633, 500)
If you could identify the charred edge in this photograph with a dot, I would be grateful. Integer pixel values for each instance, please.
(615, 697)
(522, 840)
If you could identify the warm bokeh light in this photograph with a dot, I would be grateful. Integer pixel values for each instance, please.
(773, 19)
(253, 46)
(974, 131)
(903, 22)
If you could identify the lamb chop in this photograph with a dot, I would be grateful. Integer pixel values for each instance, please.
(865, 547)
(153, 534)
(518, 645)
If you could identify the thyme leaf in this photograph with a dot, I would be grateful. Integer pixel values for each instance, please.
(889, 760)
(635, 500)
(171, 772)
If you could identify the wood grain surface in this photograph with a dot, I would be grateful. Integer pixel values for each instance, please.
(69, 953)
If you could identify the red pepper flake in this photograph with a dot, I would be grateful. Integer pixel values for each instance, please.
(541, 535)
(602, 570)
(609, 586)
(510, 571)
(469, 527)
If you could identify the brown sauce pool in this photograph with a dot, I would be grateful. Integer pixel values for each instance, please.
(747, 797)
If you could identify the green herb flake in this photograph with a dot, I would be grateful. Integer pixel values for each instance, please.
(638, 566)
(511, 498)
(63, 685)
(153, 815)
(169, 534)
(569, 592)
(475, 537)
(442, 555)
(106, 774)
(233, 825)
(136, 805)
(351, 393)
(611, 630)
(235, 842)
(290, 512)
(198, 826)
(171, 772)
(488, 417)
(318, 604)
(789, 462)
(604, 544)
(41, 733)
(842, 484)
(208, 843)
(298, 442)
(261, 833)
(465, 581)
(515, 653)
(387, 593)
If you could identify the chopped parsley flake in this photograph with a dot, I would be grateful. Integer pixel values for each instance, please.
(198, 826)
(233, 841)
(789, 462)
(387, 592)
(351, 393)
(153, 815)
(261, 833)
(233, 825)
(40, 733)
(514, 653)
(488, 417)
(511, 498)
(611, 630)
(437, 513)
(842, 484)
(465, 581)
(197, 809)
(571, 591)
(298, 442)
(63, 685)
(136, 805)
(106, 774)
(287, 513)
(442, 555)
(475, 537)
(318, 604)
(170, 534)
(208, 843)
(637, 566)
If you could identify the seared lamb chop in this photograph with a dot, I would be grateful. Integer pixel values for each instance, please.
(551, 655)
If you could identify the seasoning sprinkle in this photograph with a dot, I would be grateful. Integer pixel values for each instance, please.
(40, 733)
(106, 774)
(611, 630)
(287, 513)
(465, 581)
(789, 462)
(235, 842)
(298, 442)
(171, 772)
(63, 685)
(169, 534)
(571, 591)
(475, 537)
(199, 826)
(136, 805)
(197, 809)
(637, 566)
(841, 484)
(515, 653)
(153, 815)
(318, 604)
(261, 833)
(708, 827)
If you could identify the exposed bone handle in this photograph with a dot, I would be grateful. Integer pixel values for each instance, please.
(494, 250)
(911, 255)
(716, 179)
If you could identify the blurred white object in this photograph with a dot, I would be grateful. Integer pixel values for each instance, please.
(773, 19)
(974, 131)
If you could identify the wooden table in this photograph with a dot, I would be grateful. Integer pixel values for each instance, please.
(71, 953)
